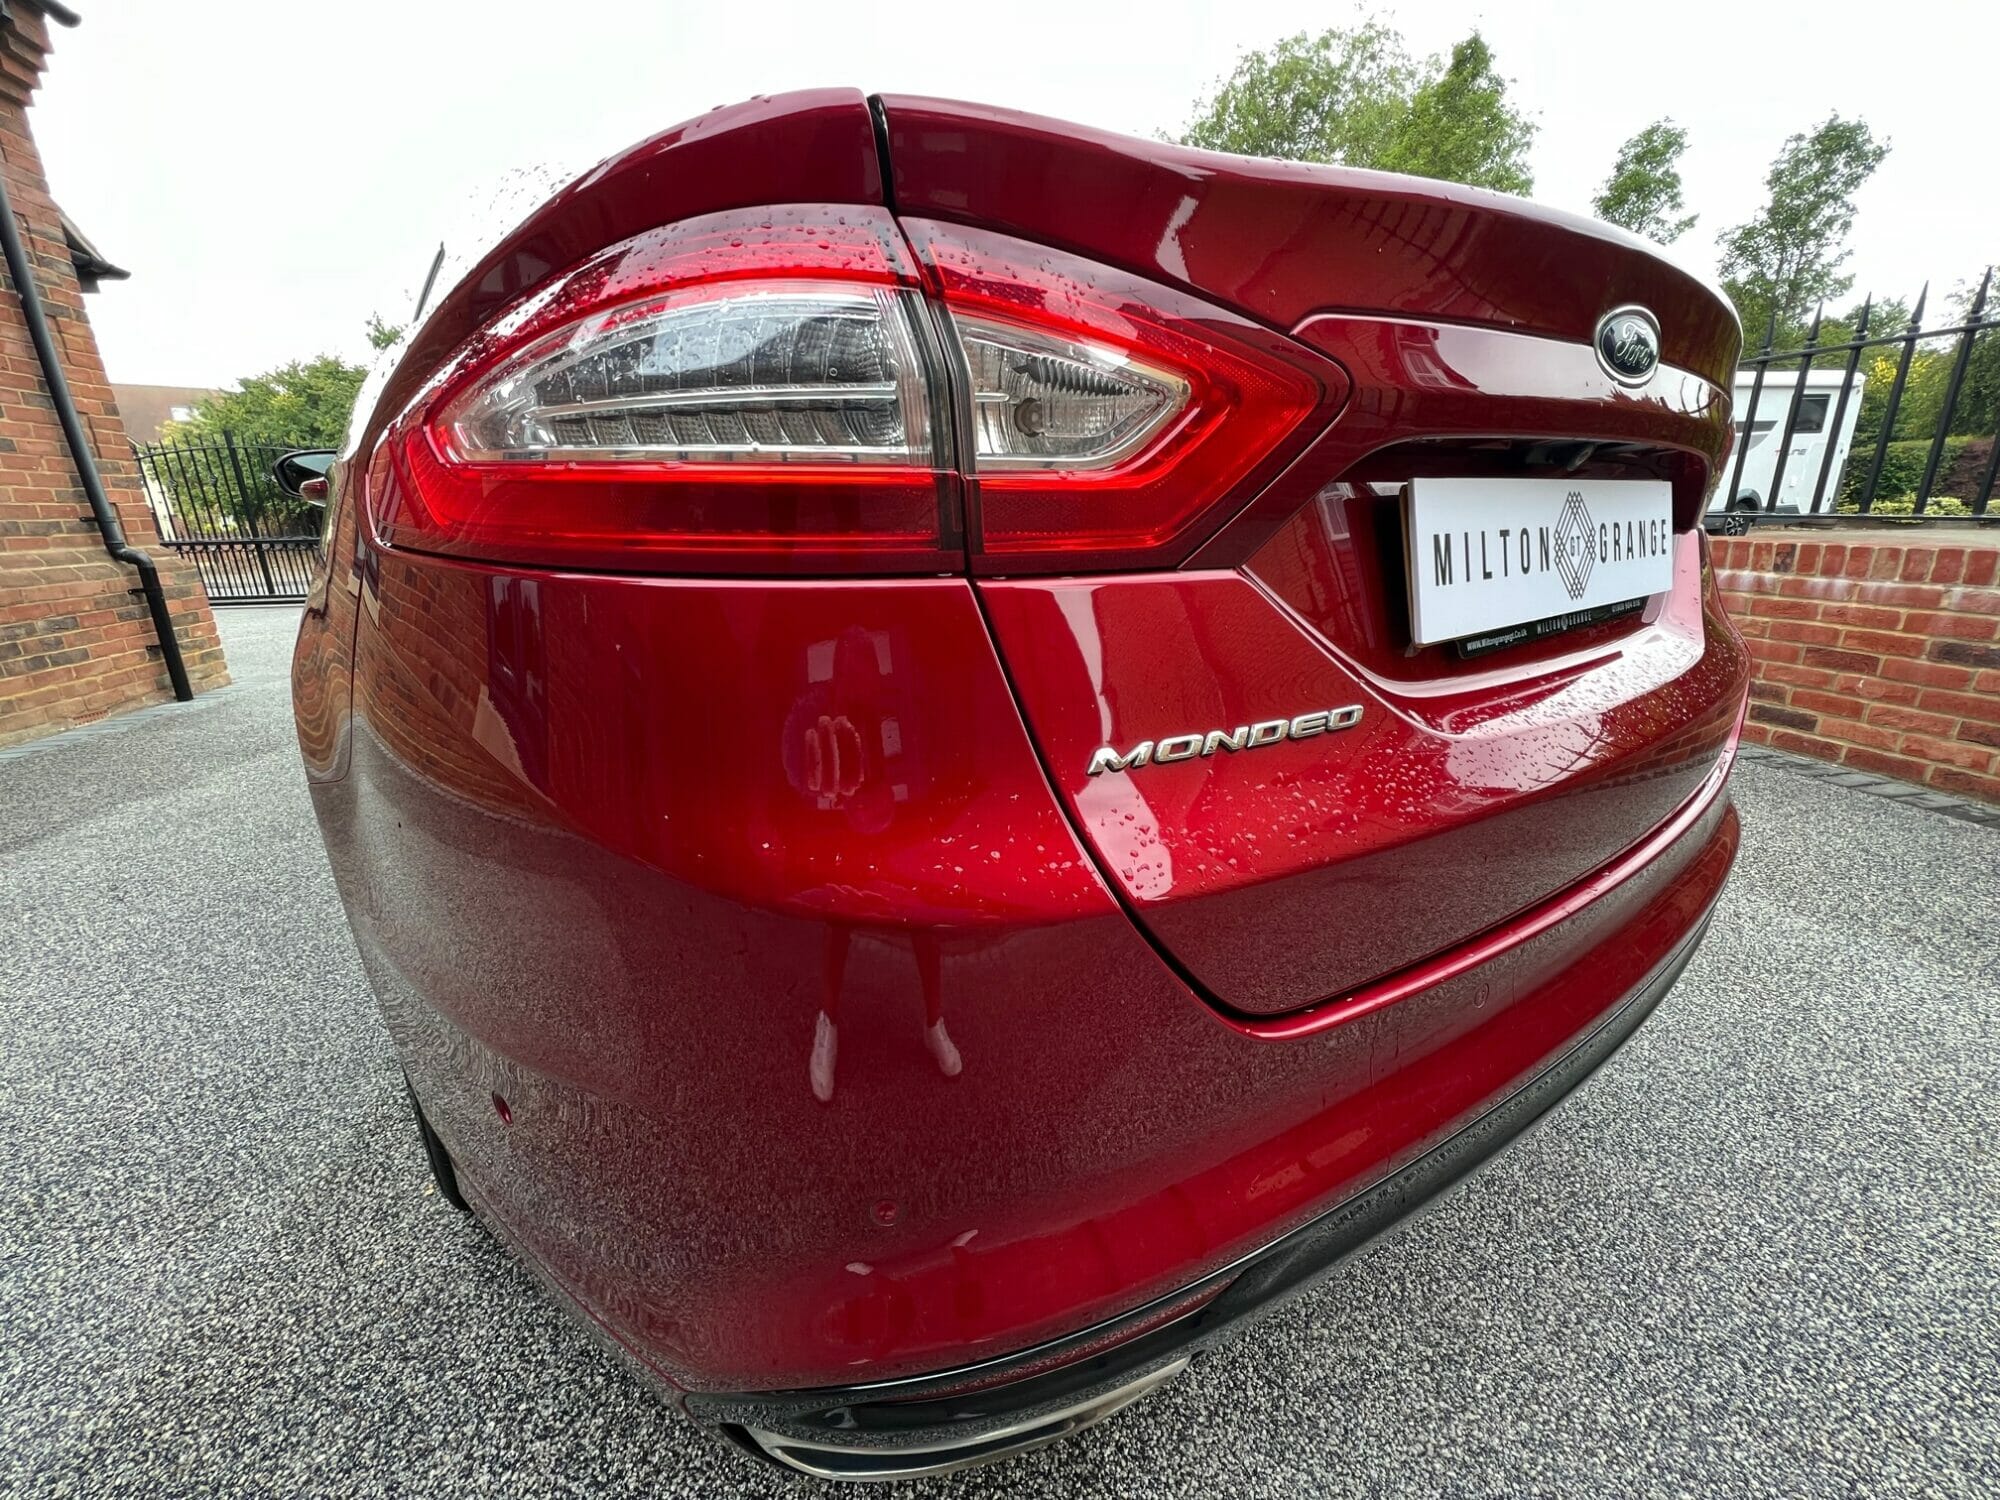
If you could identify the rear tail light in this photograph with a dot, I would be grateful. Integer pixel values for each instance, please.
(740, 393)
(1178, 411)
(773, 394)
(784, 372)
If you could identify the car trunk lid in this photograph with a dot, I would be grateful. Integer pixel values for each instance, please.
(1417, 797)
(1282, 241)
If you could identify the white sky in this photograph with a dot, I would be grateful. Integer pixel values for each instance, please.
(271, 172)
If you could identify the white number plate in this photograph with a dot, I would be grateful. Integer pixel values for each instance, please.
(1486, 554)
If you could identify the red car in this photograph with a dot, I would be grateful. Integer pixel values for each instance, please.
(963, 750)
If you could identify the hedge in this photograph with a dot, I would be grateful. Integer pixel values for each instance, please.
(1902, 471)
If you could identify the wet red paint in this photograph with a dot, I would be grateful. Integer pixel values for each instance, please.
(848, 1029)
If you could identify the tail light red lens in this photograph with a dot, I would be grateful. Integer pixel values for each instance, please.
(772, 394)
(1199, 406)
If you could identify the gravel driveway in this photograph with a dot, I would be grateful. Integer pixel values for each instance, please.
(1758, 1255)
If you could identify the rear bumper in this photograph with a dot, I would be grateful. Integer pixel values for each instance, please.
(907, 1428)
(613, 901)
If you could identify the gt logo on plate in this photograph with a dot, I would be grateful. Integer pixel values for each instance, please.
(1574, 552)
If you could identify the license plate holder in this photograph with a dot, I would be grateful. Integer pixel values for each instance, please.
(1489, 557)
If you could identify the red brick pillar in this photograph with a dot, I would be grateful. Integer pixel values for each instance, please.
(76, 641)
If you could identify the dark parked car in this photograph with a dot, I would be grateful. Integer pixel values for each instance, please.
(963, 750)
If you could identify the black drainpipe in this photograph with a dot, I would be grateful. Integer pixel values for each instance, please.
(79, 447)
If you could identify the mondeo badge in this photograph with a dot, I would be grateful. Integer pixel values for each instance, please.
(1243, 737)
(1628, 344)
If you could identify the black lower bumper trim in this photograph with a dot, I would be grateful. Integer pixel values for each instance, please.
(925, 1412)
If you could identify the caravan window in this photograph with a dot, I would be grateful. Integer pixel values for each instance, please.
(1812, 416)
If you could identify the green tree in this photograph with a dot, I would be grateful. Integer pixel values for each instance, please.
(1354, 97)
(1978, 409)
(304, 404)
(1643, 192)
(1923, 392)
(1788, 258)
(1886, 316)
(1459, 126)
(1334, 97)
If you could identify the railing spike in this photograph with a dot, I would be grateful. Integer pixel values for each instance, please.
(1934, 464)
(1821, 498)
(1917, 313)
(1792, 408)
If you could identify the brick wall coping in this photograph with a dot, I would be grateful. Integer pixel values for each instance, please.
(1875, 652)
(1956, 532)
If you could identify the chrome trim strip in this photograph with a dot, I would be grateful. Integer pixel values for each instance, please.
(1030, 1433)
(741, 395)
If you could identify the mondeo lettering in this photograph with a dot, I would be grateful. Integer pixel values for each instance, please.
(1243, 737)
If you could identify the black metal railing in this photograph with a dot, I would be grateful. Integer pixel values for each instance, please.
(1860, 449)
(217, 504)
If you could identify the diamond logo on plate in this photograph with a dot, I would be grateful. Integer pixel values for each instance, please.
(1574, 552)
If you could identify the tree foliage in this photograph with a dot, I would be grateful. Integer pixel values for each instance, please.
(1978, 409)
(1355, 97)
(1922, 399)
(1975, 413)
(304, 404)
(1788, 258)
(1459, 126)
(1886, 316)
(1334, 97)
(1643, 192)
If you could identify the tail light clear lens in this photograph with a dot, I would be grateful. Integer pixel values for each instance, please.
(781, 373)
(760, 393)
(1040, 402)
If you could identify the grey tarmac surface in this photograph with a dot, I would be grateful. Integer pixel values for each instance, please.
(1759, 1254)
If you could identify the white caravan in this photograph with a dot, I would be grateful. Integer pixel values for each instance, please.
(1811, 435)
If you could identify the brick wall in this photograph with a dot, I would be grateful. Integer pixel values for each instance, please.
(1876, 649)
(76, 642)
